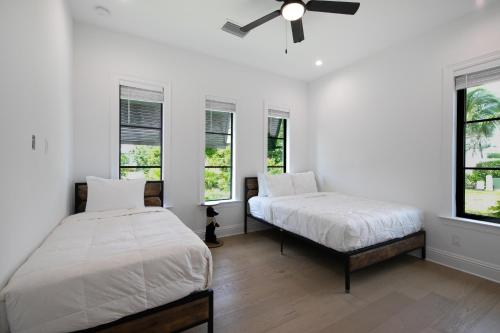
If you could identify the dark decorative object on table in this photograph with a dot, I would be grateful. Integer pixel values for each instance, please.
(210, 237)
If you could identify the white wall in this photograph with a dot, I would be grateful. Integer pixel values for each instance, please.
(35, 86)
(102, 55)
(379, 130)
(35, 98)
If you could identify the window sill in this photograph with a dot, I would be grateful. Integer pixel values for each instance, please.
(220, 203)
(477, 225)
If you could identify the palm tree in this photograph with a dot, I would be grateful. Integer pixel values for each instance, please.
(480, 104)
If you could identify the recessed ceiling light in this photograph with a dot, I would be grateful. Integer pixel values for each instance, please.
(319, 62)
(102, 11)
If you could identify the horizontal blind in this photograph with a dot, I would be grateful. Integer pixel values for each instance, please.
(217, 129)
(215, 105)
(144, 95)
(138, 113)
(140, 136)
(141, 116)
(477, 78)
(274, 127)
(278, 114)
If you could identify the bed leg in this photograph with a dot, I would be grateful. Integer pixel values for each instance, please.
(246, 220)
(347, 276)
(424, 254)
(210, 323)
(282, 238)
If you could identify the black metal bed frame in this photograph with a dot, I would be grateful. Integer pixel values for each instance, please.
(345, 257)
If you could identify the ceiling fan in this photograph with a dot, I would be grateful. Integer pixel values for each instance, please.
(293, 10)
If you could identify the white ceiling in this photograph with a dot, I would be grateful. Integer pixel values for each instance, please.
(336, 39)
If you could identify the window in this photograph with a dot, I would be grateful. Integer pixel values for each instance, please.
(219, 147)
(478, 146)
(277, 122)
(141, 133)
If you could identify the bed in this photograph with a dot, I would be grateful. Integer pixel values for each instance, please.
(134, 270)
(359, 231)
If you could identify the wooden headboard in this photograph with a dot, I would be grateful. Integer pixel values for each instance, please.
(251, 188)
(153, 195)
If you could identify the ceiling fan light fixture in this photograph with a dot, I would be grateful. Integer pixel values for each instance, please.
(293, 10)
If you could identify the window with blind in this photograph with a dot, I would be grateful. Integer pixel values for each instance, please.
(277, 122)
(219, 144)
(478, 145)
(141, 133)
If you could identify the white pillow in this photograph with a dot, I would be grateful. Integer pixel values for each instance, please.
(279, 185)
(304, 182)
(110, 194)
(261, 179)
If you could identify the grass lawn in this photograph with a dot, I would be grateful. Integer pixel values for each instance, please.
(216, 194)
(478, 202)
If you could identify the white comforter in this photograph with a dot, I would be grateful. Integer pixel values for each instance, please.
(95, 268)
(341, 222)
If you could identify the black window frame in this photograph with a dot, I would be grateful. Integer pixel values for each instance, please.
(231, 179)
(285, 143)
(120, 166)
(461, 161)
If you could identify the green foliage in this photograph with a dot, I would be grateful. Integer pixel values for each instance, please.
(124, 160)
(218, 156)
(218, 180)
(142, 155)
(148, 173)
(480, 104)
(146, 155)
(276, 145)
(470, 181)
(477, 175)
(275, 153)
(217, 184)
(495, 210)
(275, 171)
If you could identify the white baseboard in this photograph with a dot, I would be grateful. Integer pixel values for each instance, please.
(233, 230)
(469, 265)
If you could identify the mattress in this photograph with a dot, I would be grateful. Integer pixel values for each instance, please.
(338, 221)
(95, 268)
(256, 206)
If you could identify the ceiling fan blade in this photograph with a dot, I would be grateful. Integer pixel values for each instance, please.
(261, 21)
(297, 31)
(335, 7)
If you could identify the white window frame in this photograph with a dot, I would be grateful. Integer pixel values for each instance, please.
(234, 194)
(268, 107)
(115, 122)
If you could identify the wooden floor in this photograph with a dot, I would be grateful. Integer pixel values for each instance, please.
(259, 290)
